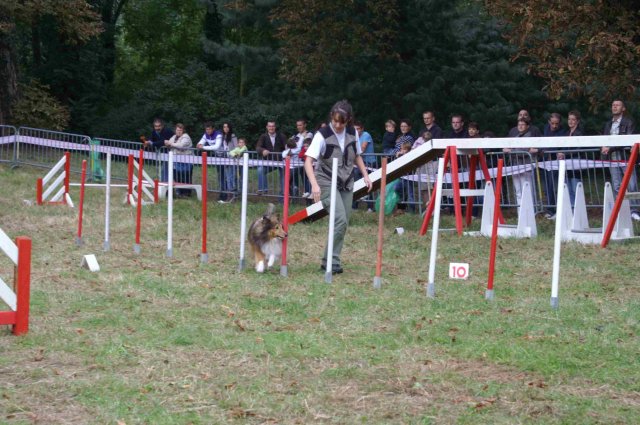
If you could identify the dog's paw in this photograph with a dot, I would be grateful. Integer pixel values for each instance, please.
(260, 267)
(272, 260)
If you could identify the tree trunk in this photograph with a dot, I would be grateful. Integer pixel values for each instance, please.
(8, 80)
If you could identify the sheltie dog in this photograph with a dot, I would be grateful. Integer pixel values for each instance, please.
(265, 238)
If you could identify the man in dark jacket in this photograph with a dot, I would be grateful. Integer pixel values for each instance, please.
(430, 125)
(619, 124)
(159, 135)
(269, 148)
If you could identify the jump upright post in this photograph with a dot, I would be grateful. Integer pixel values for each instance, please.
(285, 216)
(431, 285)
(20, 254)
(204, 257)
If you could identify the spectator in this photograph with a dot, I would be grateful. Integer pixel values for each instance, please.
(457, 128)
(430, 125)
(339, 140)
(159, 135)
(366, 147)
(389, 138)
(237, 153)
(229, 142)
(181, 144)
(404, 188)
(269, 147)
(430, 169)
(553, 128)
(473, 130)
(405, 136)
(533, 130)
(522, 174)
(619, 124)
(297, 173)
(303, 156)
(211, 141)
(573, 176)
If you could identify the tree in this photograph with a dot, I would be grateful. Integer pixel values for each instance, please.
(316, 34)
(76, 23)
(589, 49)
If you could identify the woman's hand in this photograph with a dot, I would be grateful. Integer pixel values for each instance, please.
(367, 181)
(315, 191)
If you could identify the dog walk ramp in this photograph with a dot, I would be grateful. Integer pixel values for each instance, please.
(396, 168)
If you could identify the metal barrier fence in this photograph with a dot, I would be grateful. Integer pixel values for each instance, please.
(43, 148)
(7, 143)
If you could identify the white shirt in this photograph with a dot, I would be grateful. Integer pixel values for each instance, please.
(319, 145)
(217, 143)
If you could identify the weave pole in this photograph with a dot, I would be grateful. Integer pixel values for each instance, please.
(170, 207)
(377, 279)
(107, 245)
(285, 216)
(332, 220)
(557, 243)
(494, 232)
(243, 214)
(136, 247)
(204, 257)
(431, 285)
(83, 178)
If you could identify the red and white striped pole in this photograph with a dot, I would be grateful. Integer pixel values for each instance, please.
(494, 232)
(67, 173)
(285, 216)
(136, 247)
(83, 178)
(22, 284)
(130, 180)
(377, 279)
(204, 257)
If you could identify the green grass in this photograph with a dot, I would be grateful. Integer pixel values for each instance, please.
(170, 341)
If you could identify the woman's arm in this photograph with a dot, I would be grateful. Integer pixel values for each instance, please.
(363, 170)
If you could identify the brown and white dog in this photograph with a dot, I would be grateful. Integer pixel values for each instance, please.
(265, 238)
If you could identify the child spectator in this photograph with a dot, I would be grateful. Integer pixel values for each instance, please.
(303, 156)
(240, 149)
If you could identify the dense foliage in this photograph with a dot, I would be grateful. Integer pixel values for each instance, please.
(117, 64)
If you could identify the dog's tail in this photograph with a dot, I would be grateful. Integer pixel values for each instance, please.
(270, 209)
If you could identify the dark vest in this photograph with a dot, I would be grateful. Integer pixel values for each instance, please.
(346, 158)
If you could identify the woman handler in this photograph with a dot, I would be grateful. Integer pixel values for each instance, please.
(337, 140)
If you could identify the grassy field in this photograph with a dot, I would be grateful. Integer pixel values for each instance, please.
(170, 341)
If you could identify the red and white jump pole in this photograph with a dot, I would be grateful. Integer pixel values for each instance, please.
(332, 220)
(130, 180)
(285, 216)
(136, 246)
(204, 257)
(18, 302)
(170, 207)
(83, 178)
(243, 214)
(107, 245)
(494, 232)
(62, 195)
(377, 279)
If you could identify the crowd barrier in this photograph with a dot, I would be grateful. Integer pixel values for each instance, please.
(43, 148)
